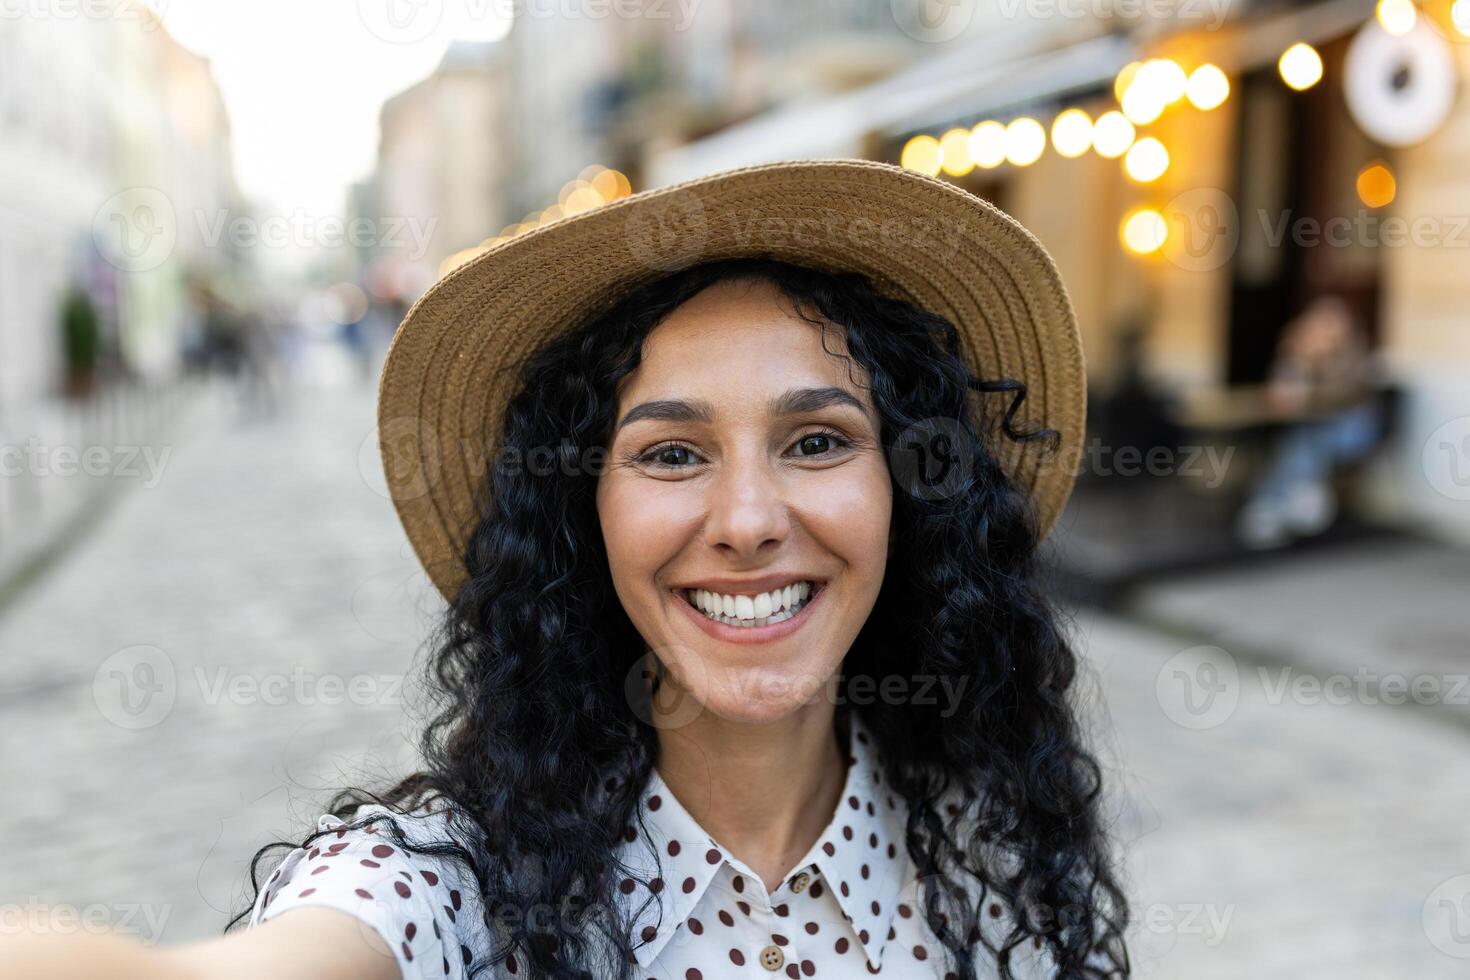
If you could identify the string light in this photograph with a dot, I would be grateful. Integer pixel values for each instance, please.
(954, 153)
(1143, 231)
(1025, 141)
(1207, 88)
(922, 154)
(1071, 133)
(988, 144)
(1300, 66)
(1397, 17)
(1146, 160)
(1112, 134)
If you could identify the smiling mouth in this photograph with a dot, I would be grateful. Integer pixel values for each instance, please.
(740, 611)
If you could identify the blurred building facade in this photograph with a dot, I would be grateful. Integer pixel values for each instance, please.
(1266, 163)
(100, 117)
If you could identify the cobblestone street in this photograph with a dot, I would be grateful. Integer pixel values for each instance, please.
(199, 674)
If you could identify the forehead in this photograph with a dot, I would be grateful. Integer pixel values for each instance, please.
(739, 342)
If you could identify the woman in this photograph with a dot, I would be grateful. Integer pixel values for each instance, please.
(745, 670)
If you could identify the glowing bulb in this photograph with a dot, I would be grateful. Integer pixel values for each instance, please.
(1112, 134)
(1300, 66)
(1146, 160)
(1208, 87)
(1376, 185)
(1125, 79)
(1168, 79)
(988, 144)
(1460, 14)
(1071, 133)
(921, 153)
(1397, 16)
(1025, 141)
(1142, 103)
(1144, 231)
(954, 152)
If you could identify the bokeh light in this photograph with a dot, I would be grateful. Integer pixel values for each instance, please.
(1146, 160)
(1376, 185)
(1025, 141)
(1143, 231)
(1300, 66)
(1071, 133)
(1397, 17)
(1112, 134)
(954, 152)
(1208, 87)
(988, 144)
(921, 153)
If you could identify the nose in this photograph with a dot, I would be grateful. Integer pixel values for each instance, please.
(747, 509)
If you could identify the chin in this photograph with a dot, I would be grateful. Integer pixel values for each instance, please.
(762, 697)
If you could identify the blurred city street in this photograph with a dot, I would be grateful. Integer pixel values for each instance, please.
(1268, 837)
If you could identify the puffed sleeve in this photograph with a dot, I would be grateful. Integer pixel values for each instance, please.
(413, 901)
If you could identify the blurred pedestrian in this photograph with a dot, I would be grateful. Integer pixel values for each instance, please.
(1324, 377)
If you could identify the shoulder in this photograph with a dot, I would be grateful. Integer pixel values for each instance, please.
(425, 907)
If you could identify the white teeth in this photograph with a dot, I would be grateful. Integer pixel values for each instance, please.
(759, 610)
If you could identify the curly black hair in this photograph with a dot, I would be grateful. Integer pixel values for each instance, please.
(540, 751)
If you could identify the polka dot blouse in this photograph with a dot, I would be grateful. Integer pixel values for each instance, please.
(848, 908)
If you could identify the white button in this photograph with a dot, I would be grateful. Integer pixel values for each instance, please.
(772, 957)
(799, 883)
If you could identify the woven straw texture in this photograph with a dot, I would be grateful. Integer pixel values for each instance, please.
(453, 364)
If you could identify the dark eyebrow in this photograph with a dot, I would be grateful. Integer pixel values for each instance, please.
(797, 401)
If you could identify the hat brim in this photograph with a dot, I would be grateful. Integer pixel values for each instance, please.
(452, 366)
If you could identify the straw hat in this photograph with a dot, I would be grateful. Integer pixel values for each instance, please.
(451, 368)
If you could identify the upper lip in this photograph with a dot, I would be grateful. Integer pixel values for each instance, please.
(751, 586)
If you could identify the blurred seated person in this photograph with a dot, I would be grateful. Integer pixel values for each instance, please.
(1323, 377)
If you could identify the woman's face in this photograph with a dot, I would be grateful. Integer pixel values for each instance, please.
(744, 460)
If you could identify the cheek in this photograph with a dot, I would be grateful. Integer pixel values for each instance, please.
(641, 531)
(851, 516)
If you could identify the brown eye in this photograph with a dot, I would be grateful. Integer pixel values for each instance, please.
(820, 443)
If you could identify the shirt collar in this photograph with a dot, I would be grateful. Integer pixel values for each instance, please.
(861, 857)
